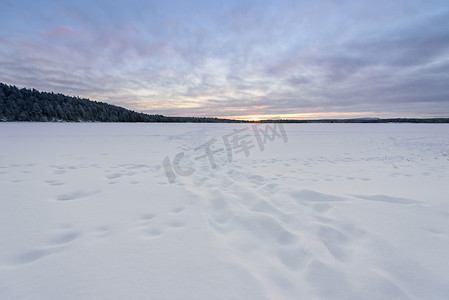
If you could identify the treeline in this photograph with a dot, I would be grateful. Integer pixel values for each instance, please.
(390, 120)
(31, 105)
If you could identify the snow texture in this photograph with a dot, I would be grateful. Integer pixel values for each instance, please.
(326, 211)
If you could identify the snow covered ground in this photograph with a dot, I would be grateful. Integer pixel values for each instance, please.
(320, 211)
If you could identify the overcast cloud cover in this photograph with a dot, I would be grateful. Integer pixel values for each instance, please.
(234, 58)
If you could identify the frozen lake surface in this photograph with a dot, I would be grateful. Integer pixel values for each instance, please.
(224, 211)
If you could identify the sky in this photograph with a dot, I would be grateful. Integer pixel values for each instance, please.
(238, 59)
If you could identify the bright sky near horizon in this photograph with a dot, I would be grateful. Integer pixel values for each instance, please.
(239, 59)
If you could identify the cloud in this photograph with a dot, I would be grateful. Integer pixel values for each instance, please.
(233, 58)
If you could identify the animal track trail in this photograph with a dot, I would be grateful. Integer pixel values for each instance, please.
(244, 215)
(254, 215)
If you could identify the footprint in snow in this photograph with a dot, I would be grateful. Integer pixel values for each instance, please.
(55, 245)
(54, 182)
(175, 224)
(65, 238)
(154, 228)
(103, 231)
(75, 195)
(177, 210)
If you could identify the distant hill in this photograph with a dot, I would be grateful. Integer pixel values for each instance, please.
(364, 120)
(32, 105)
